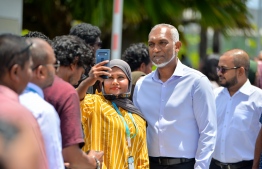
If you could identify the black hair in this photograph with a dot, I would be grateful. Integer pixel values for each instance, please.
(13, 50)
(71, 49)
(87, 32)
(36, 34)
(135, 55)
(209, 68)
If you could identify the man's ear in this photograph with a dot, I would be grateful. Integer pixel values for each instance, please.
(178, 46)
(14, 73)
(142, 67)
(40, 72)
(241, 71)
(72, 66)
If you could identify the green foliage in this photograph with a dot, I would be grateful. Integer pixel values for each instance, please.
(55, 17)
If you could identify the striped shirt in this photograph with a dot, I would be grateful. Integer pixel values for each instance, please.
(105, 131)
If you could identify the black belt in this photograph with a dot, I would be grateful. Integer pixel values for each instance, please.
(169, 160)
(233, 165)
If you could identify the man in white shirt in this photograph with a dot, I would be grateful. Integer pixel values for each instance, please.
(44, 68)
(179, 106)
(239, 107)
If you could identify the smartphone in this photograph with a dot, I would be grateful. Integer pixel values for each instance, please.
(101, 55)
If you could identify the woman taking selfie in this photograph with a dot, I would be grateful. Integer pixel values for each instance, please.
(111, 122)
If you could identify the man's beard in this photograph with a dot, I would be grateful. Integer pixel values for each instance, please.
(165, 63)
(230, 82)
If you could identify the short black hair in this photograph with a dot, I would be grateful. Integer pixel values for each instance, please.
(135, 55)
(13, 50)
(87, 32)
(71, 49)
(36, 34)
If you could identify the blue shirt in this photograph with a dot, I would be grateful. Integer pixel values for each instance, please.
(180, 113)
(49, 123)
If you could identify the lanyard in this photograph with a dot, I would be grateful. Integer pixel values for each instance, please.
(128, 135)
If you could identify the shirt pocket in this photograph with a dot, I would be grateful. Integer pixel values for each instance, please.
(242, 119)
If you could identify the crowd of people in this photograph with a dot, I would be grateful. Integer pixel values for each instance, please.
(57, 111)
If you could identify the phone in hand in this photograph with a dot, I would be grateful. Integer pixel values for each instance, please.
(101, 55)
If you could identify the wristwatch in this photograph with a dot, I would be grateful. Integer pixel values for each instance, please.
(97, 163)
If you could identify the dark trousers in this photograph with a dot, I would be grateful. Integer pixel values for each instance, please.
(213, 165)
(186, 165)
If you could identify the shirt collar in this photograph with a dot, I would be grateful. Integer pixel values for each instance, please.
(31, 87)
(179, 71)
(245, 88)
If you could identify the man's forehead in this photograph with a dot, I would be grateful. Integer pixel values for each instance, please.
(226, 59)
(159, 32)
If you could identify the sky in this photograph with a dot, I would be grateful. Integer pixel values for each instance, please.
(253, 4)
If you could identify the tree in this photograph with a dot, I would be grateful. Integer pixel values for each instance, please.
(54, 17)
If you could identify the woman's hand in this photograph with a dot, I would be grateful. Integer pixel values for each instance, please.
(99, 70)
(94, 74)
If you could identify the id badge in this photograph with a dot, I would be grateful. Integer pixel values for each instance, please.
(130, 161)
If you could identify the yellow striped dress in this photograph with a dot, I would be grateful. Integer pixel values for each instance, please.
(105, 131)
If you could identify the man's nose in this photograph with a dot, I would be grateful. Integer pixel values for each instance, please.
(156, 48)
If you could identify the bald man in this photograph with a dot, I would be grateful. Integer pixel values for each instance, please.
(239, 107)
(43, 73)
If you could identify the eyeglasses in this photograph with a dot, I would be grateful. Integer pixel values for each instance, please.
(22, 51)
(223, 70)
(56, 65)
(27, 48)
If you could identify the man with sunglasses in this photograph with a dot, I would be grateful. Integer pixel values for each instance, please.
(44, 68)
(238, 105)
(74, 56)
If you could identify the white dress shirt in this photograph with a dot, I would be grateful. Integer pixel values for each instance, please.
(238, 123)
(180, 113)
(49, 123)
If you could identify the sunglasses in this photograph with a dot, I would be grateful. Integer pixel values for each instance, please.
(223, 70)
(99, 44)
